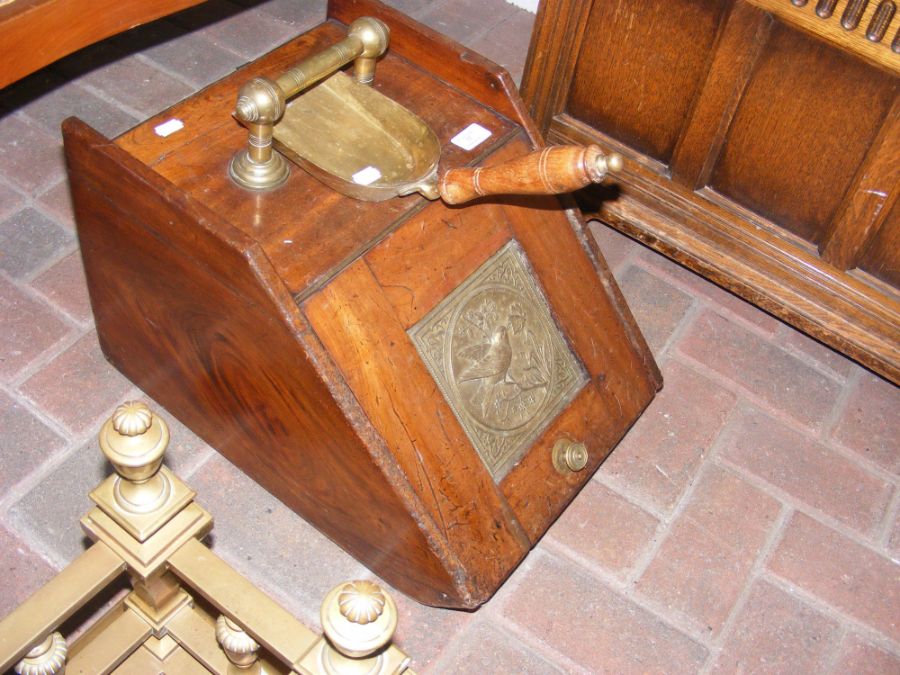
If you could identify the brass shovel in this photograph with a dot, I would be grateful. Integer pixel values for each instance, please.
(369, 147)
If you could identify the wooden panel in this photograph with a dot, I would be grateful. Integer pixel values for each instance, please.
(418, 267)
(306, 247)
(802, 141)
(35, 33)
(194, 315)
(356, 323)
(869, 199)
(801, 131)
(882, 258)
(463, 69)
(876, 24)
(639, 72)
(742, 40)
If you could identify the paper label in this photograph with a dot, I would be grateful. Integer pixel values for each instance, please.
(168, 128)
(471, 137)
(366, 176)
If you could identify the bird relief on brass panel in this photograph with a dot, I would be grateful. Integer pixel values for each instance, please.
(499, 359)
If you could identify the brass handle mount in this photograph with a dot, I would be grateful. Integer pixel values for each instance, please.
(261, 101)
(569, 456)
(553, 170)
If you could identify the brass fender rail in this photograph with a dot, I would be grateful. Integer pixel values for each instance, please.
(188, 610)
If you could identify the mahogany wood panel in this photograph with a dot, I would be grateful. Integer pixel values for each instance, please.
(35, 33)
(645, 106)
(196, 316)
(801, 131)
(786, 148)
(356, 323)
(309, 246)
(417, 268)
(623, 377)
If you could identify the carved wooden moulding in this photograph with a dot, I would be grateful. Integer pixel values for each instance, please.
(428, 385)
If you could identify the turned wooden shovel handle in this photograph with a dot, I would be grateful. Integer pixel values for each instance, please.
(551, 171)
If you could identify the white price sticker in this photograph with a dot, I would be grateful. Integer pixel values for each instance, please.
(471, 137)
(168, 128)
(366, 176)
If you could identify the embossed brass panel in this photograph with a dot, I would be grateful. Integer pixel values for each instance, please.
(499, 359)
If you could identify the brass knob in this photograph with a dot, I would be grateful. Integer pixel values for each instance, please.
(569, 456)
(238, 646)
(47, 658)
(358, 618)
(134, 440)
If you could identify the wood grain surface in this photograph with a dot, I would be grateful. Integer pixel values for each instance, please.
(197, 317)
(760, 151)
(274, 324)
(35, 33)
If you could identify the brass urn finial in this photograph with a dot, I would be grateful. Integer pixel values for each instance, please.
(238, 646)
(134, 440)
(132, 418)
(358, 618)
(47, 658)
(361, 601)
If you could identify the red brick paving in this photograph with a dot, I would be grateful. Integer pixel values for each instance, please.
(807, 470)
(28, 328)
(842, 573)
(64, 285)
(777, 633)
(77, 387)
(658, 307)
(750, 521)
(11, 201)
(860, 658)
(870, 422)
(488, 650)
(596, 627)
(778, 379)
(31, 159)
(662, 453)
(57, 202)
(20, 564)
(705, 561)
(27, 442)
(603, 528)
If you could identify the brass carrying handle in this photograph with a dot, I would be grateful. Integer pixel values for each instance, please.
(553, 170)
(261, 101)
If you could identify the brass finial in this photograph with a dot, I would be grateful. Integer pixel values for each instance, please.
(47, 658)
(358, 618)
(132, 418)
(238, 646)
(134, 440)
(361, 601)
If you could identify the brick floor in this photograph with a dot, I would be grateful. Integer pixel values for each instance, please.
(704, 562)
(603, 528)
(841, 572)
(749, 522)
(64, 285)
(659, 458)
(777, 633)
